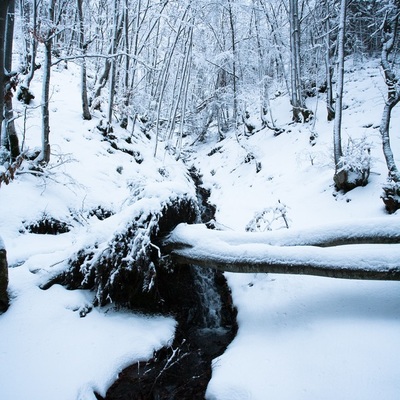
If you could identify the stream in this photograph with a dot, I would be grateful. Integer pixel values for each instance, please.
(206, 326)
(200, 300)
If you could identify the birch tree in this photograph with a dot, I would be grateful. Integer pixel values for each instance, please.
(351, 168)
(83, 46)
(391, 195)
(47, 38)
(341, 176)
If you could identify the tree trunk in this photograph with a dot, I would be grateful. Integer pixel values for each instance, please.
(391, 190)
(234, 62)
(321, 252)
(329, 68)
(102, 80)
(297, 100)
(33, 47)
(11, 133)
(340, 177)
(3, 279)
(113, 68)
(389, 34)
(294, 66)
(44, 156)
(85, 103)
(3, 18)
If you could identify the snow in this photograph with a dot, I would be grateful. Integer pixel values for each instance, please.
(299, 337)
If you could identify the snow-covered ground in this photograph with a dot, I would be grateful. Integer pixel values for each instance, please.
(299, 337)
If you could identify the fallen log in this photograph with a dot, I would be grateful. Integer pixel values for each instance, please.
(369, 250)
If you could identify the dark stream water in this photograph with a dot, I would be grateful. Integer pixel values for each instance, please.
(206, 325)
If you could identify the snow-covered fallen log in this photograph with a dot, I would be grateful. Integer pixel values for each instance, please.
(368, 250)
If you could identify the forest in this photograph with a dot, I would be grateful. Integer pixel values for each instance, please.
(179, 183)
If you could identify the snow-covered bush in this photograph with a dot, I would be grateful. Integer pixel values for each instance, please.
(391, 196)
(354, 165)
(270, 218)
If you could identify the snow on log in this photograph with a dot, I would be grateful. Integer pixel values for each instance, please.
(368, 250)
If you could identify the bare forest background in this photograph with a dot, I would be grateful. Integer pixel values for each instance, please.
(178, 67)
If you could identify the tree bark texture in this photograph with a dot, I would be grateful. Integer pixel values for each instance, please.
(11, 133)
(3, 18)
(84, 97)
(44, 156)
(389, 34)
(3, 280)
(337, 137)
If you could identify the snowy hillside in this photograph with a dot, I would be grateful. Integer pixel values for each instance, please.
(298, 338)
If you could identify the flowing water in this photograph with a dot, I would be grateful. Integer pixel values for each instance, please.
(206, 325)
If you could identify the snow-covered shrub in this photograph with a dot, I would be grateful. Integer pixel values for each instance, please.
(270, 218)
(391, 196)
(47, 225)
(354, 165)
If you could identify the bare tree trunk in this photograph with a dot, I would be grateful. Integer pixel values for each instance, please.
(163, 78)
(33, 46)
(44, 156)
(340, 177)
(25, 16)
(85, 103)
(124, 114)
(3, 18)
(112, 68)
(102, 80)
(234, 62)
(294, 65)
(391, 196)
(328, 67)
(297, 99)
(393, 97)
(11, 133)
(3, 279)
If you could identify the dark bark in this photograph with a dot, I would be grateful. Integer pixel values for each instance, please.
(44, 156)
(300, 112)
(11, 133)
(3, 18)
(3, 281)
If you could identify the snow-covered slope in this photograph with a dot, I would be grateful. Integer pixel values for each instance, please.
(299, 337)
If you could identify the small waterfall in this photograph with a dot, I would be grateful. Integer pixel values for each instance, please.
(210, 298)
